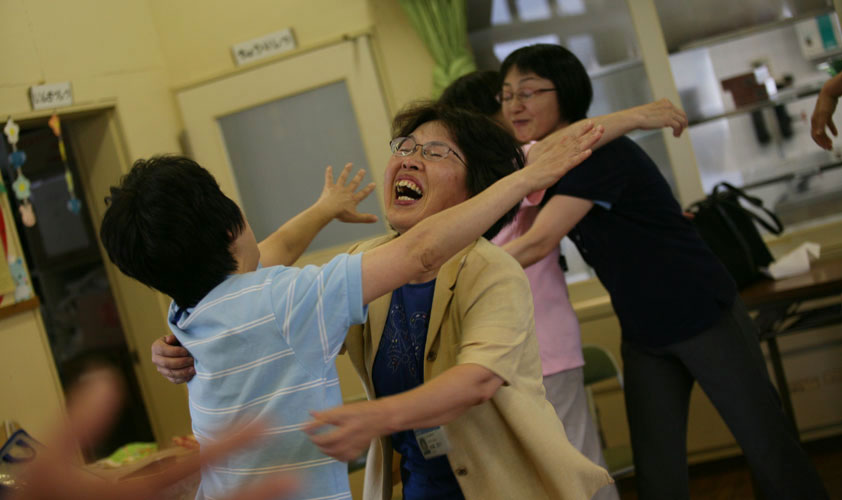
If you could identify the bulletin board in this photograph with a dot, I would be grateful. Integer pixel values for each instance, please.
(15, 285)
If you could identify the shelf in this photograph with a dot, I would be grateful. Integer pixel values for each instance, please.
(782, 97)
(751, 30)
(19, 307)
(615, 67)
(806, 171)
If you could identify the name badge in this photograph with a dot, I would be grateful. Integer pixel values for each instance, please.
(433, 442)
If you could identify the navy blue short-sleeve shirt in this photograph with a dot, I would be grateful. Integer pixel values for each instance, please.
(665, 283)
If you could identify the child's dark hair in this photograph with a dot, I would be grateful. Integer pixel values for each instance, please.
(169, 226)
(491, 153)
(557, 64)
(475, 92)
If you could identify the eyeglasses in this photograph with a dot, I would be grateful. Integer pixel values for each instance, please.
(522, 95)
(433, 151)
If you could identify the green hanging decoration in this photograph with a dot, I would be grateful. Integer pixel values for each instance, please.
(73, 204)
(443, 27)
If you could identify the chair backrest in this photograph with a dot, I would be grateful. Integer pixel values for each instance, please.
(599, 365)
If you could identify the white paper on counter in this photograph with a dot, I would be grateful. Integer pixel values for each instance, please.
(795, 262)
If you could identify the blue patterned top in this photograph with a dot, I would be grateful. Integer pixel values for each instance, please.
(399, 367)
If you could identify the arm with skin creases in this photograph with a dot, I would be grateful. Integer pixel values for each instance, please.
(654, 115)
(552, 223)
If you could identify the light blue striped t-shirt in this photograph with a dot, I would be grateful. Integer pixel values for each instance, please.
(264, 345)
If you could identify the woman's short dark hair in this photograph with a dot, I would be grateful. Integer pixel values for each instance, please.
(557, 64)
(475, 92)
(491, 153)
(169, 226)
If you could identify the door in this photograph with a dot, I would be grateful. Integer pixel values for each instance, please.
(69, 277)
(100, 152)
(266, 133)
(91, 311)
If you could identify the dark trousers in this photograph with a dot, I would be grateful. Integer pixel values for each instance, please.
(727, 362)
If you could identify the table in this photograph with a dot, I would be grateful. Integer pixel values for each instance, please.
(779, 312)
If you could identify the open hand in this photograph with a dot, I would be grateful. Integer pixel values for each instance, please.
(558, 154)
(659, 114)
(822, 120)
(340, 199)
(171, 360)
(346, 431)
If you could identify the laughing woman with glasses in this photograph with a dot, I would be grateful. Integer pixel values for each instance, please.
(452, 358)
(433, 151)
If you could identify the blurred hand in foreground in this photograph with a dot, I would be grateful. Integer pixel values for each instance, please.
(55, 474)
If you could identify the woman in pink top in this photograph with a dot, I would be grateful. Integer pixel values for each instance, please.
(556, 325)
(553, 311)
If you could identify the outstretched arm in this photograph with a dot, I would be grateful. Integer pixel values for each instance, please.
(654, 115)
(552, 223)
(822, 118)
(433, 403)
(337, 201)
(431, 242)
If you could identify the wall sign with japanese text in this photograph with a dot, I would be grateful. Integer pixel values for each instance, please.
(265, 46)
(53, 95)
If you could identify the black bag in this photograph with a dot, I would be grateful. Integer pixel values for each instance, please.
(728, 228)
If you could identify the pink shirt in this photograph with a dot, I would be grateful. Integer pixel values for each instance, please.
(556, 325)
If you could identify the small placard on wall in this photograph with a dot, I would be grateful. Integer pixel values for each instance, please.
(265, 46)
(53, 95)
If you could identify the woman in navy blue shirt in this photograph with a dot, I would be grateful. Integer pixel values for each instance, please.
(680, 315)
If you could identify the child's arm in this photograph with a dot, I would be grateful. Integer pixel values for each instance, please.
(337, 201)
(431, 242)
(649, 116)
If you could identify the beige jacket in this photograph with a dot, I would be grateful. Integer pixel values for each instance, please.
(512, 446)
